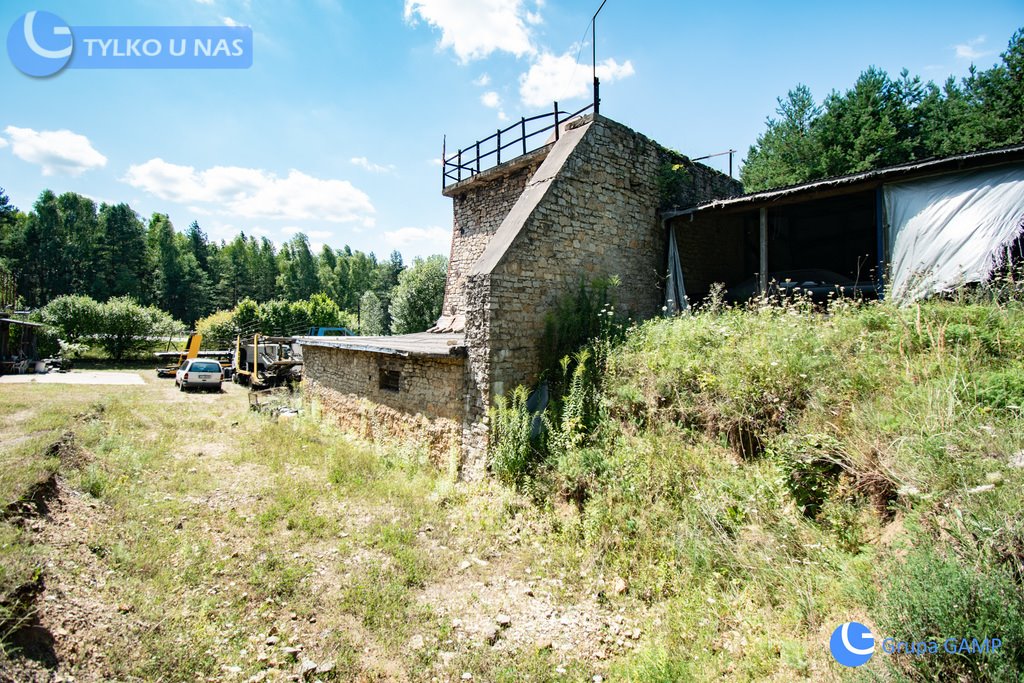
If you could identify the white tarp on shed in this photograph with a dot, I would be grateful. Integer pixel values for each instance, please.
(951, 230)
(675, 288)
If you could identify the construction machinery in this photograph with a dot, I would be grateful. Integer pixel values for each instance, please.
(267, 361)
(175, 359)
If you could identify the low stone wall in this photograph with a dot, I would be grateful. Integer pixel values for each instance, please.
(427, 410)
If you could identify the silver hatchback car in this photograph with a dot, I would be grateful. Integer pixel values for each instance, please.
(199, 374)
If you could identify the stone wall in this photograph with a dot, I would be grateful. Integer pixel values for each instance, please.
(590, 211)
(479, 206)
(428, 408)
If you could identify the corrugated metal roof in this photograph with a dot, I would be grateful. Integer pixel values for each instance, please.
(859, 181)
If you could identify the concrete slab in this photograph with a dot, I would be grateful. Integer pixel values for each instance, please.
(82, 377)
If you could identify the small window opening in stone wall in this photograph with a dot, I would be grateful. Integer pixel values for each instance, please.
(390, 380)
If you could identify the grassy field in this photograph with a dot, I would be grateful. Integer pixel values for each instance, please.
(186, 538)
(749, 480)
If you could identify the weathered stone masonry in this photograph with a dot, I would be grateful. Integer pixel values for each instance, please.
(589, 211)
(426, 410)
(525, 234)
(479, 208)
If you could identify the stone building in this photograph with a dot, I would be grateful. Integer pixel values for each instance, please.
(525, 234)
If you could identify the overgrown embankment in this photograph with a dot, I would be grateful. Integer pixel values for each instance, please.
(760, 476)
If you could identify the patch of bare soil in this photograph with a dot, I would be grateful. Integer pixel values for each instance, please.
(67, 617)
(71, 454)
(488, 608)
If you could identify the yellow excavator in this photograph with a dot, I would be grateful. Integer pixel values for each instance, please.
(174, 359)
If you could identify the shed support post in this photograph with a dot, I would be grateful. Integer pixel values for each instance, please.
(881, 241)
(762, 273)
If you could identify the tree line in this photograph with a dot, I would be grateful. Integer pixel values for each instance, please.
(882, 121)
(68, 245)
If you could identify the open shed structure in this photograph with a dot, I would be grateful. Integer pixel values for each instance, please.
(909, 230)
(18, 337)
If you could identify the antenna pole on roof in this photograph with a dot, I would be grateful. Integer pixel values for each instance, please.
(593, 45)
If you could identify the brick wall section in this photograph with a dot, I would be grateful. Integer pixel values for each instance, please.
(479, 206)
(598, 218)
(710, 250)
(427, 410)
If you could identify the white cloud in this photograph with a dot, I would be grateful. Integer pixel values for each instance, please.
(969, 49)
(205, 2)
(363, 162)
(228, 21)
(56, 151)
(560, 78)
(3, 143)
(422, 240)
(483, 81)
(502, 116)
(473, 29)
(490, 99)
(254, 193)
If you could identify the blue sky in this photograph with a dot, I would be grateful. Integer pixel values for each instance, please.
(336, 128)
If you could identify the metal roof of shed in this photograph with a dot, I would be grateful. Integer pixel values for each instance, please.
(857, 182)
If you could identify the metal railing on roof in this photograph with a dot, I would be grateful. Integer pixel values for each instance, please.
(491, 151)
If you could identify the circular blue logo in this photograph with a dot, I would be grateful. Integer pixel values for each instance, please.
(39, 44)
(852, 644)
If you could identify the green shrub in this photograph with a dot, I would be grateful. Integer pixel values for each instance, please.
(94, 481)
(673, 180)
(580, 410)
(417, 300)
(812, 466)
(934, 597)
(322, 311)
(1002, 389)
(126, 328)
(372, 321)
(280, 317)
(218, 329)
(579, 473)
(576, 321)
(513, 454)
(75, 317)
